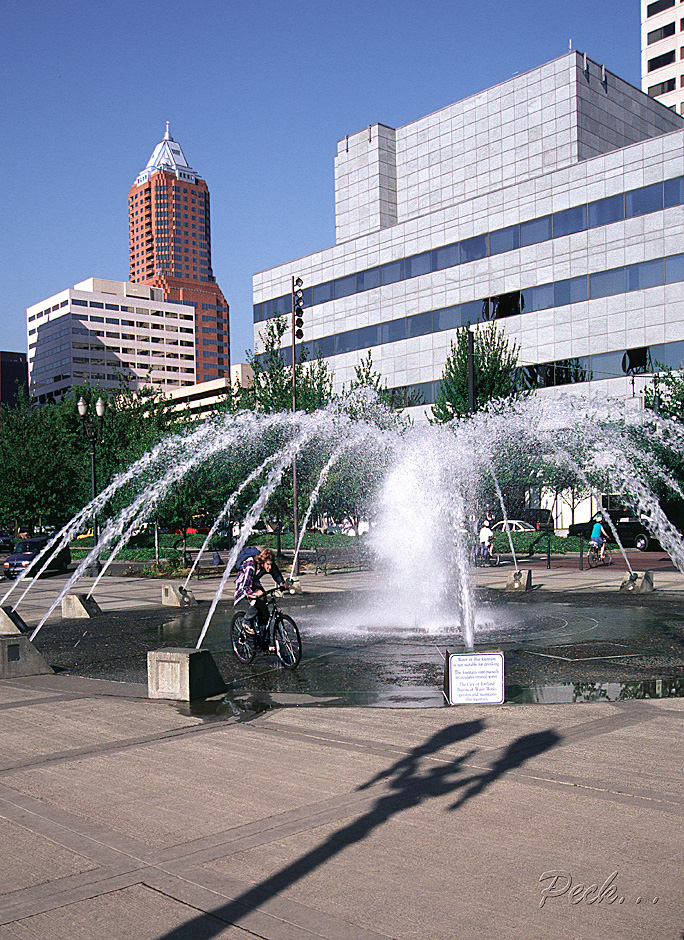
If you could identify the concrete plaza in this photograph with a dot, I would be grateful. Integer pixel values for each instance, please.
(122, 817)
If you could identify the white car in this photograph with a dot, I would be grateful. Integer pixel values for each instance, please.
(516, 525)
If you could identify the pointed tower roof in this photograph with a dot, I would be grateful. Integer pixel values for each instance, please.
(168, 155)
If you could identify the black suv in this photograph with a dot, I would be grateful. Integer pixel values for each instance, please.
(631, 531)
(27, 549)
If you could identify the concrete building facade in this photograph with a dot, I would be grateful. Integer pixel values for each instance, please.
(100, 332)
(662, 52)
(553, 203)
(170, 248)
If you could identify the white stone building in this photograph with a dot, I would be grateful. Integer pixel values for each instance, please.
(553, 202)
(100, 331)
(662, 52)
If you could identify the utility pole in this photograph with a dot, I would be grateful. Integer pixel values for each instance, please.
(471, 372)
(297, 333)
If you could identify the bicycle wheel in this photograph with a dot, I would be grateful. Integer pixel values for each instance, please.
(243, 643)
(607, 558)
(288, 643)
(592, 558)
(494, 560)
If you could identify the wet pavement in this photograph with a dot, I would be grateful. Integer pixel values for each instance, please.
(599, 646)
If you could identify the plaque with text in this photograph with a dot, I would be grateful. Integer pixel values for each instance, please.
(474, 678)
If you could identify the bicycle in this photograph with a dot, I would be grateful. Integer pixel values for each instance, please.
(280, 635)
(485, 556)
(594, 556)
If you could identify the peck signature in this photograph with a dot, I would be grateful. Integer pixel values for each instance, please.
(558, 884)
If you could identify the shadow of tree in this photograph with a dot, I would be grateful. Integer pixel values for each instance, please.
(407, 785)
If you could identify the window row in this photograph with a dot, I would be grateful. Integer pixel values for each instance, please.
(654, 273)
(636, 202)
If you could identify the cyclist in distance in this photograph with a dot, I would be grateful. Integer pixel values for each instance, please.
(248, 584)
(486, 539)
(599, 537)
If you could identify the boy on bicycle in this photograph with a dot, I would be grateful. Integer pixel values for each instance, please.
(248, 584)
(599, 537)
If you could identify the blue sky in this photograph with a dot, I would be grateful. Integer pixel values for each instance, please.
(258, 94)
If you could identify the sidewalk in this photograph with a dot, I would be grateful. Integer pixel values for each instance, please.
(123, 819)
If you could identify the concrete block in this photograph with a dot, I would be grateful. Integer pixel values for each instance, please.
(519, 580)
(640, 582)
(80, 606)
(183, 675)
(19, 657)
(11, 623)
(173, 595)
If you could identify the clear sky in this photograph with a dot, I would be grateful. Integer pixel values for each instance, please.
(257, 93)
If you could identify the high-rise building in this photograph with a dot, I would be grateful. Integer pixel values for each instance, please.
(170, 248)
(13, 375)
(662, 52)
(104, 332)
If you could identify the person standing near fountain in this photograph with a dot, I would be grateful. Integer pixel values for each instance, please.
(599, 537)
(248, 584)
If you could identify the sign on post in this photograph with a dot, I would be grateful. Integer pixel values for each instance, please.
(474, 678)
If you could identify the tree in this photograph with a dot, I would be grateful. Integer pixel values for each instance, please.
(496, 373)
(271, 390)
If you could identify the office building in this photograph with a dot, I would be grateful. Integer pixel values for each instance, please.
(662, 52)
(104, 332)
(552, 203)
(170, 249)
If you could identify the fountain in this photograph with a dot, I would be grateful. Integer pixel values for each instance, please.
(420, 484)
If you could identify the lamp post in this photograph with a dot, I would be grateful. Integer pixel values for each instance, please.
(92, 431)
(297, 333)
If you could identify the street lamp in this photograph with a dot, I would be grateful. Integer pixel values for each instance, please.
(92, 431)
(297, 333)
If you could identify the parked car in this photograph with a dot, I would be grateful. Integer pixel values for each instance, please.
(6, 542)
(630, 529)
(516, 525)
(27, 549)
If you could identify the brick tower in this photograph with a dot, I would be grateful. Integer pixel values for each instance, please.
(170, 247)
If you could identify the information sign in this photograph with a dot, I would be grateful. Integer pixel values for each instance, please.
(474, 678)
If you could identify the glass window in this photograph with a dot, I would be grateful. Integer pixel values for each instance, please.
(111, 307)
(537, 298)
(505, 305)
(662, 33)
(445, 257)
(504, 239)
(367, 336)
(417, 264)
(569, 221)
(419, 324)
(112, 320)
(607, 365)
(674, 269)
(635, 361)
(535, 231)
(345, 342)
(674, 192)
(656, 357)
(96, 303)
(571, 291)
(344, 286)
(394, 330)
(573, 370)
(286, 353)
(674, 355)
(323, 347)
(96, 319)
(448, 318)
(472, 249)
(605, 211)
(258, 313)
(606, 283)
(643, 200)
(322, 292)
(646, 274)
(366, 280)
(662, 88)
(476, 311)
(658, 6)
(657, 62)
(392, 272)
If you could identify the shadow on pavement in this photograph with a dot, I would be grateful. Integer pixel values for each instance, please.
(409, 785)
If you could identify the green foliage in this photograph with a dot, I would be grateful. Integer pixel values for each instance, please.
(496, 374)
(271, 390)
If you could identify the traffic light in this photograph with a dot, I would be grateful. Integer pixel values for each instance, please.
(298, 308)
